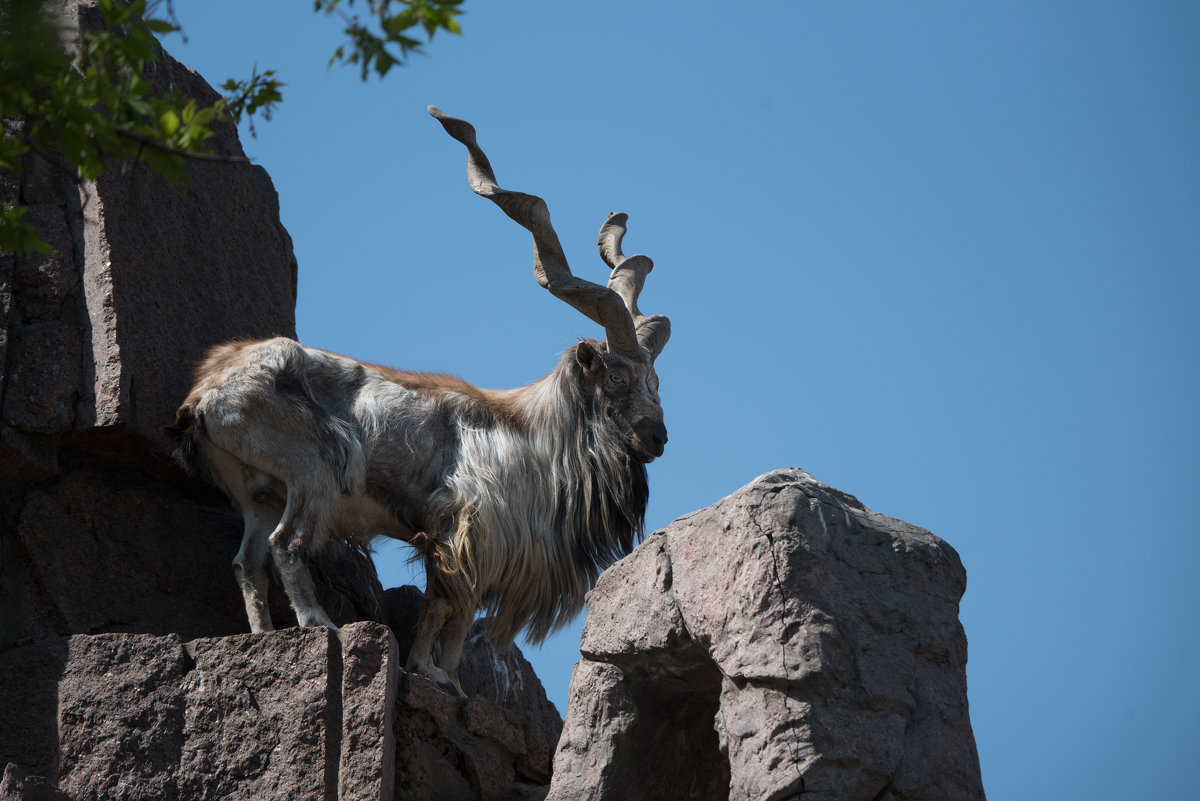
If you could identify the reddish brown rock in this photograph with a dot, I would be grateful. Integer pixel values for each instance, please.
(144, 276)
(17, 784)
(297, 713)
(785, 641)
(119, 717)
(42, 385)
(258, 715)
(168, 270)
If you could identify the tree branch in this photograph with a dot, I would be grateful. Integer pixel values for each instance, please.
(151, 143)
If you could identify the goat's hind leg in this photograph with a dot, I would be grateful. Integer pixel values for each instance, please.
(257, 496)
(251, 570)
(261, 510)
(302, 530)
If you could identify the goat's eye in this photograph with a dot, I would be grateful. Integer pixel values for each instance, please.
(617, 378)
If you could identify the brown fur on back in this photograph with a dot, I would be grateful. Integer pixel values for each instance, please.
(498, 403)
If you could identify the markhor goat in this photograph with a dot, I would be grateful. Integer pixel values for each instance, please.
(516, 499)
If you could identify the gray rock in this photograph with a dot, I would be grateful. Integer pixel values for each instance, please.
(298, 713)
(168, 270)
(497, 743)
(785, 641)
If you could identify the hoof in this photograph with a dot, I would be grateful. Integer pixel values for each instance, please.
(315, 618)
(441, 678)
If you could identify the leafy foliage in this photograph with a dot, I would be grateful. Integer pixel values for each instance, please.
(392, 45)
(246, 98)
(85, 95)
(84, 98)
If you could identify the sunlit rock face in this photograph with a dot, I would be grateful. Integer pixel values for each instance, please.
(784, 642)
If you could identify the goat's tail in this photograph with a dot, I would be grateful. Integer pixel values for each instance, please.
(185, 433)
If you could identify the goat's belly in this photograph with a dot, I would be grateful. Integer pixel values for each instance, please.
(360, 518)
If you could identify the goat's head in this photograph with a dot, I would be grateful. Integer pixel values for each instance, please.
(626, 392)
(620, 371)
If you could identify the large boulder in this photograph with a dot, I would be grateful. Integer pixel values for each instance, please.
(784, 642)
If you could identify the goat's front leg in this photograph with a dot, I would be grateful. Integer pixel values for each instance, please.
(420, 658)
(291, 543)
(454, 635)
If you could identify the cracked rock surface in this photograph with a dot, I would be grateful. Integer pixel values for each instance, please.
(299, 713)
(303, 713)
(785, 642)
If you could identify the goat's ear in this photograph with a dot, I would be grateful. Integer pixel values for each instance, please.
(588, 358)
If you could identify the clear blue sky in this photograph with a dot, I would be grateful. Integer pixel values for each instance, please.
(944, 256)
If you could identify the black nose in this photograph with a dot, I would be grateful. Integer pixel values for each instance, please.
(659, 436)
(653, 433)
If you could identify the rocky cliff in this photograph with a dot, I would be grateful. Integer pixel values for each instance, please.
(98, 341)
(124, 670)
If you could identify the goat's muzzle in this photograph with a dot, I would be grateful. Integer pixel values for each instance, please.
(651, 437)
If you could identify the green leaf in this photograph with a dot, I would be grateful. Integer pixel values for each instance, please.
(160, 26)
(170, 122)
(18, 236)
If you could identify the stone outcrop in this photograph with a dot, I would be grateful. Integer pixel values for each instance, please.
(785, 642)
(298, 713)
(98, 531)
